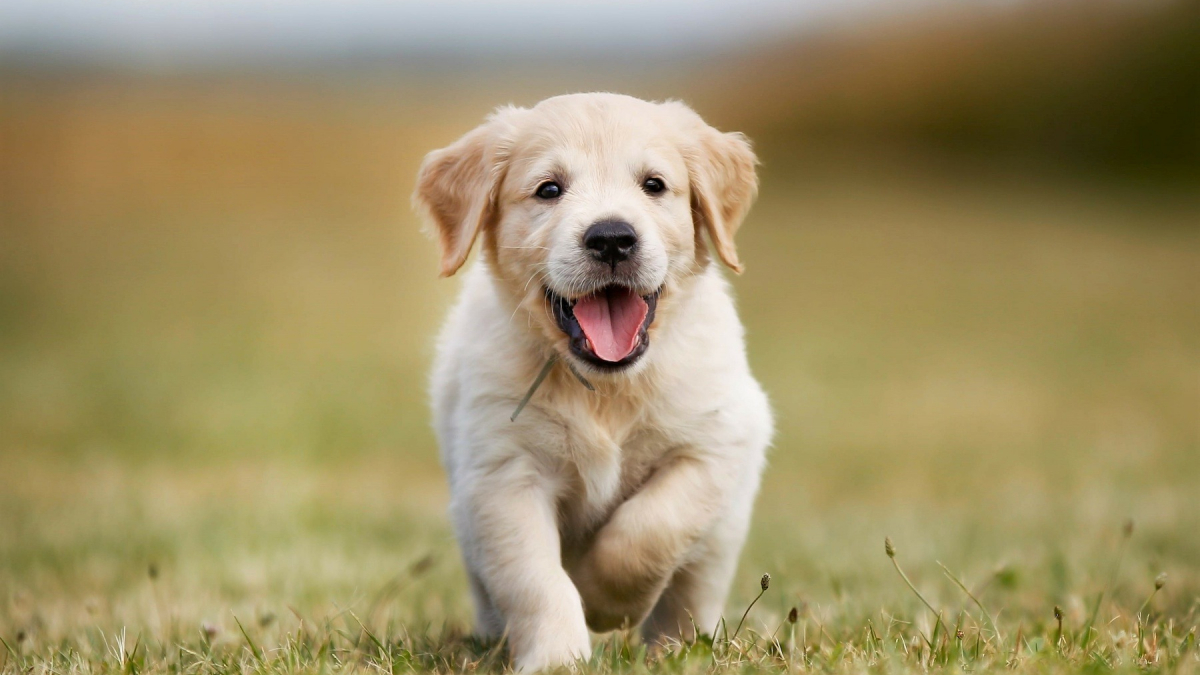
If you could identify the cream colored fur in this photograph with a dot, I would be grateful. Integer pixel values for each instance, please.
(627, 505)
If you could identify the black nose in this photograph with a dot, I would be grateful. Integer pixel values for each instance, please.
(610, 241)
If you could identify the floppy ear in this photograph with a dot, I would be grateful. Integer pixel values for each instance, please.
(456, 190)
(721, 168)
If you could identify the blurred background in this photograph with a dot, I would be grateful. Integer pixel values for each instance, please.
(972, 293)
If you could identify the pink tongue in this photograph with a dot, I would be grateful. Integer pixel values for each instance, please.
(611, 320)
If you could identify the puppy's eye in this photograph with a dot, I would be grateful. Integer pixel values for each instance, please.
(549, 190)
(653, 185)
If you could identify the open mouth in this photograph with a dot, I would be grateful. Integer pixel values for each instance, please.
(609, 328)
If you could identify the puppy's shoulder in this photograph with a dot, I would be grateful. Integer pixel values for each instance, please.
(707, 333)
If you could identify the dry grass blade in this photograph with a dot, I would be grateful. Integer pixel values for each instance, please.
(974, 599)
(890, 550)
(258, 656)
(1126, 535)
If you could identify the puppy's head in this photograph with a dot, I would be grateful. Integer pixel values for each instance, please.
(591, 208)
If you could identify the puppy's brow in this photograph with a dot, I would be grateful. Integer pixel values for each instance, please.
(555, 172)
(654, 165)
(673, 186)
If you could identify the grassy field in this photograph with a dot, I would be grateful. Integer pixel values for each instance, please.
(216, 316)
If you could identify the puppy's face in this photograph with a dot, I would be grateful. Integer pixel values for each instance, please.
(590, 207)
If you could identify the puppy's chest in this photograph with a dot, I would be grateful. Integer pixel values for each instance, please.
(605, 470)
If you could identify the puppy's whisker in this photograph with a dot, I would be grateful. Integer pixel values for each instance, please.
(532, 276)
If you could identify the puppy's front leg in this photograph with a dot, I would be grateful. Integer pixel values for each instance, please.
(635, 553)
(508, 517)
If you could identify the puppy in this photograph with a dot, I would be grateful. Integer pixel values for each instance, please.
(622, 492)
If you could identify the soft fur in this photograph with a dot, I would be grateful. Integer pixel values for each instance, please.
(627, 505)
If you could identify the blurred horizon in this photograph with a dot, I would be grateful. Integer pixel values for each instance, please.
(191, 34)
(1098, 90)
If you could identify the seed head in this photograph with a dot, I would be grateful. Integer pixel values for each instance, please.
(765, 582)
(888, 547)
(958, 634)
(1058, 615)
(793, 615)
(1160, 581)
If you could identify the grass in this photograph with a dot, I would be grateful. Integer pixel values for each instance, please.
(195, 588)
(216, 320)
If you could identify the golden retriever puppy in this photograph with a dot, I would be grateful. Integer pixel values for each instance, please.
(621, 493)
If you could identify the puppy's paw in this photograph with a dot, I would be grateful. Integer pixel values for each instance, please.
(552, 634)
(560, 650)
(614, 603)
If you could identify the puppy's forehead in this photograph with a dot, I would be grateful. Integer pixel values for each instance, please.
(595, 127)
